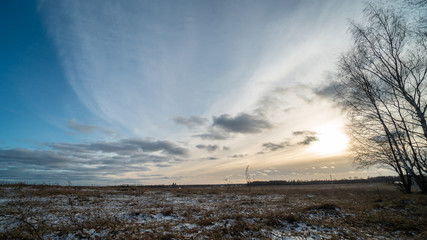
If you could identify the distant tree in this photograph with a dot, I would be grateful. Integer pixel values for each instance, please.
(384, 90)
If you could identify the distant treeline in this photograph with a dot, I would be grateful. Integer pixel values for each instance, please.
(381, 179)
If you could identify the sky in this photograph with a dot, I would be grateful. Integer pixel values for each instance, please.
(159, 92)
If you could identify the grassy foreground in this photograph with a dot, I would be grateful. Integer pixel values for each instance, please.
(351, 211)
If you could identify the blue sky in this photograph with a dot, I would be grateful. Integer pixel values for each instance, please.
(109, 92)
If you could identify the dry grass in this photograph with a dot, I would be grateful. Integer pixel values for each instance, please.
(362, 211)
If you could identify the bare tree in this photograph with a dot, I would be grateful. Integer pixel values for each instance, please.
(384, 90)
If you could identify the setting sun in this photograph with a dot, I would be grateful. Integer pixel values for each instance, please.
(331, 141)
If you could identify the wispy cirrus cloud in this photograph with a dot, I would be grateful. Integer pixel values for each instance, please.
(197, 73)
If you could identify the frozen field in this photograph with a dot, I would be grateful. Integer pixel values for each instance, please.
(287, 212)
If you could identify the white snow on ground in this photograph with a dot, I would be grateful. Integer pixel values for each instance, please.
(189, 215)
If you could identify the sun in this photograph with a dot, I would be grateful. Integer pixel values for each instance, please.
(331, 140)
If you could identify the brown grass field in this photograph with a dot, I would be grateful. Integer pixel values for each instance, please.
(350, 211)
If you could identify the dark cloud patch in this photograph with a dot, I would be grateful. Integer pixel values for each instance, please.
(303, 133)
(242, 123)
(191, 122)
(308, 140)
(226, 126)
(308, 137)
(273, 146)
(238, 156)
(299, 138)
(209, 148)
(328, 91)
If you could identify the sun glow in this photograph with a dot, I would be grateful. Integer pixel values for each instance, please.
(331, 140)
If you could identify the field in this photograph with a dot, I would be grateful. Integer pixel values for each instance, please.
(350, 211)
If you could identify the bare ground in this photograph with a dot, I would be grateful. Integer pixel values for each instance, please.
(352, 211)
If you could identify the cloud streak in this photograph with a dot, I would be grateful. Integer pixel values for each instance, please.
(300, 138)
(209, 148)
(92, 160)
(78, 127)
(273, 146)
(124, 146)
(191, 122)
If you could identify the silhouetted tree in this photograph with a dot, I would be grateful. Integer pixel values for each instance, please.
(384, 90)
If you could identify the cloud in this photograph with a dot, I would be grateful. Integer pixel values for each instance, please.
(80, 176)
(45, 158)
(273, 146)
(308, 137)
(91, 161)
(81, 128)
(224, 125)
(300, 138)
(238, 155)
(328, 90)
(298, 133)
(154, 146)
(52, 165)
(124, 146)
(308, 140)
(191, 122)
(78, 127)
(213, 134)
(209, 148)
(242, 123)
